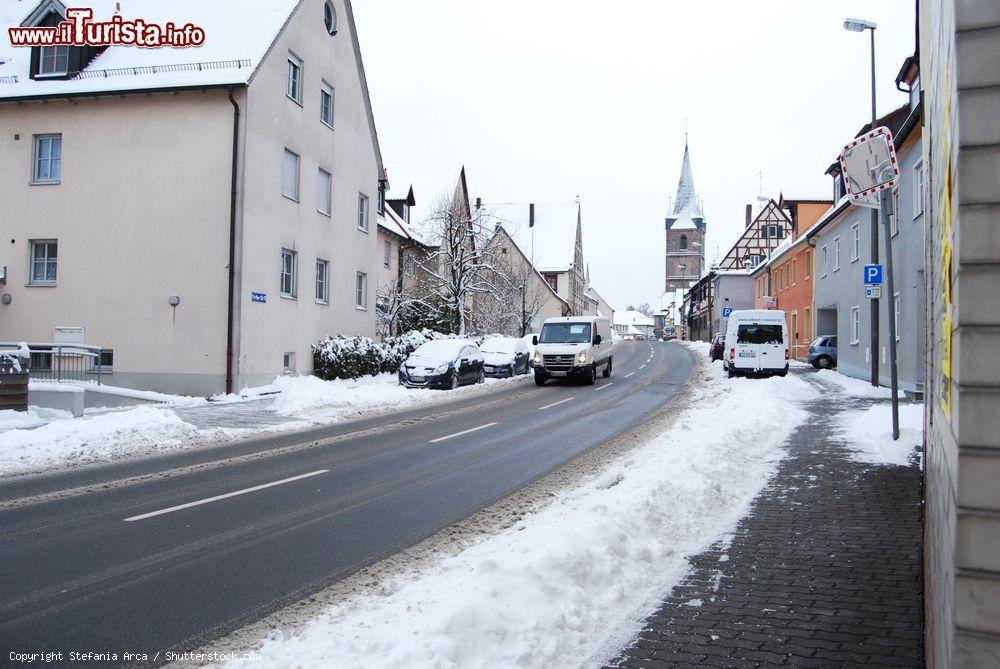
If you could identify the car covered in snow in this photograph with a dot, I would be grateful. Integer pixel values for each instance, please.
(505, 356)
(443, 364)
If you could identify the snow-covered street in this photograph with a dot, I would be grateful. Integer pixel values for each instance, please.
(41, 439)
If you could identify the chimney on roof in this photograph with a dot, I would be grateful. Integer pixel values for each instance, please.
(749, 215)
(479, 203)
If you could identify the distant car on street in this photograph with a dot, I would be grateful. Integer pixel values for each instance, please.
(443, 364)
(505, 356)
(640, 337)
(718, 346)
(823, 352)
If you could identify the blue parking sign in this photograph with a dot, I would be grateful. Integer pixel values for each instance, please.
(873, 274)
(726, 311)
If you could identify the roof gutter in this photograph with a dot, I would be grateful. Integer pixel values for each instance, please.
(113, 93)
(231, 304)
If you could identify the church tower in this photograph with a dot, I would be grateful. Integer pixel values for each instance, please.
(685, 233)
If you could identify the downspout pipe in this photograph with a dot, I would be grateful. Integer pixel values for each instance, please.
(231, 306)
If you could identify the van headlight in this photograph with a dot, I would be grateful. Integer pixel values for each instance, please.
(538, 358)
(582, 358)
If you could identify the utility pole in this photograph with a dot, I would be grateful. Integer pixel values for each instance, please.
(884, 212)
(874, 242)
(524, 311)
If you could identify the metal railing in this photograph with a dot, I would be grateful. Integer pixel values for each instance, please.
(62, 362)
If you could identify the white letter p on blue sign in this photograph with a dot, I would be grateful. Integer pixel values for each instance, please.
(873, 274)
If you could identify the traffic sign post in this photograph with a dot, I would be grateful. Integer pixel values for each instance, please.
(870, 168)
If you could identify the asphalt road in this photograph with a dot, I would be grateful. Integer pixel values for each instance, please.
(87, 565)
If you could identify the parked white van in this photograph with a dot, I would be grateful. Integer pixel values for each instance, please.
(573, 346)
(756, 343)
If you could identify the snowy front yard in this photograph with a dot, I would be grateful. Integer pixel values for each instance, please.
(569, 585)
(41, 440)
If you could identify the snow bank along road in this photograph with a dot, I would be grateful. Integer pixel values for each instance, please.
(168, 554)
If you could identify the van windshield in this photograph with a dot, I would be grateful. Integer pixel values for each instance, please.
(759, 334)
(565, 333)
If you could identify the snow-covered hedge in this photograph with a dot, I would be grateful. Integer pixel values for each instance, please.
(343, 357)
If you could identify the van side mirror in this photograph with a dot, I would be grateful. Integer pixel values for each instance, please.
(597, 340)
(534, 340)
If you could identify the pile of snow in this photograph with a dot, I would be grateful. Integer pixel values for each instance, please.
(18, 420)
(311, 397)
(854, 387)
(868, 434)
(99, 438)
(13, 358)
(570, 585)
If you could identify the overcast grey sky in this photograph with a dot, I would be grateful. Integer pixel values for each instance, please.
(544, 100)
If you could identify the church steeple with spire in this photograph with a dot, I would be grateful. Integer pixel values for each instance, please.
(685, 227)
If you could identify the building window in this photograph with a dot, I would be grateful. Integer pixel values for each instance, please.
(406, 213)
(807, 326)
(48, 159)
(288, 270)
(323, 190)
(290, 176)
(855, 326)
(361, 291)
(380, 200)
(44, 253)
(808, 264)
(362, 212)
(288, 362)
(53, 61)
(794, 270)
(836, 254)
(322, 281)
(330, 18)
(895, 313)
(918, 189)
(326, 104)
(825, 261)
(684, 242)
(855, 242)
(387, 254)
(553, 281)
(894, 216)
(105, 362)
(294, 84)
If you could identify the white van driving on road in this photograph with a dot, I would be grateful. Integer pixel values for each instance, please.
(756, 343)
(573, 347)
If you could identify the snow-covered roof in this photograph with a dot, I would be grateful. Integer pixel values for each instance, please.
(632, 317)
(551, 244)
(235, 42)
(393, 223)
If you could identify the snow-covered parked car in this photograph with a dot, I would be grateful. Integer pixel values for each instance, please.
(505, 356)
(443, 364)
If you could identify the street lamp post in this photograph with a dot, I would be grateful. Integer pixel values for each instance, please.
(861, 25)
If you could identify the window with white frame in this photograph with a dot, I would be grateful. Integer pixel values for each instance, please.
(918, 189)
(326, 104)
(795, 272)
(53, 61)
(896, 312)
(323, 190)
(294, 84)
(855, 242)
(322, 281)
(290, 176)
(362, 212)
(855, 326)
(44, 256)
(288, 362)
(825, 264)
(808, 262)
(47, 168)
(836, 253)
(288, 270)
(894, 216)
(380, 200)
(387, 253)
(361, 291)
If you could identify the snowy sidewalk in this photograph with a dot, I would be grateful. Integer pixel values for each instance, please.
(826, 569)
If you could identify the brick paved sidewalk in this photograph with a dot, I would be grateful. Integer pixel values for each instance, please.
(824, 572)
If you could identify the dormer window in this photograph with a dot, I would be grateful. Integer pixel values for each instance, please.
(53, 61)
(406, 213)
(330, 18)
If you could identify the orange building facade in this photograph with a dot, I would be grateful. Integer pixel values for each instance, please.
(785, 280)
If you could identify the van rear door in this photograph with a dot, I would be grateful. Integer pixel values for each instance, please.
(760, 346)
